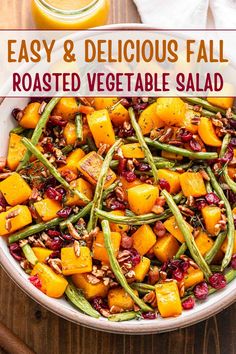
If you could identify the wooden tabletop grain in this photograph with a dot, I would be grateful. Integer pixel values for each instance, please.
(45, 333)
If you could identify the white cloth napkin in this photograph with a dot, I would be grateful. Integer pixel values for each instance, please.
(188, 14)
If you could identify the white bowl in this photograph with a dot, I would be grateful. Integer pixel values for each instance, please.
(215, 303)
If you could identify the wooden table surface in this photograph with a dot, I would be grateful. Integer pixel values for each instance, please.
(46, 333)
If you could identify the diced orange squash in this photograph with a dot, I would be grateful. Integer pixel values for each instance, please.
(90, 166)
(171, 110)
(73, 264)
(173, 228)
(47, 208)
(83, 187)
(101, 128)
(118, 227)
(143, 239)
(149, 119)
(119, 114)
(16, 151)
(23, 217)
(30, 116)
(41, 253)
(192, 184)
(104, 102)
(171, 156)
(132, 151)
(166, 247)
(90, 291)
(126, 185)
(99, 249)
(207, 133)
(142, 268)
(193, 277)
(69, 171)
(211, 216)
(168, 299)
(15, 190)
(225, 244)
(53, 285)
(231, 172)
(171, 177)
(75, 156)
(142, 198)
(67, 108)
(224, 102)
(69, 133)
(120, 300)
(204, 242)
(187, 121)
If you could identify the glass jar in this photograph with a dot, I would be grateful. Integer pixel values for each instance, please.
(46, 16)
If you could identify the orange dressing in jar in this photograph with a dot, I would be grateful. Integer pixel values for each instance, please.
(70, 14)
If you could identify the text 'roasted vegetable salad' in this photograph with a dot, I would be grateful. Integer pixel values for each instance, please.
(124, 206)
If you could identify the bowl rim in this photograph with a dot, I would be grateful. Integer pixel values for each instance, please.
(75, 316)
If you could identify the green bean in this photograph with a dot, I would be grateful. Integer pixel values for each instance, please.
(215, 268)
(132, 220)
(39, 129)
(184, 166)
(53, 170)
(231, 229)
(208, 187)
(29, 254)
(17, 130)
(200, 102)
(78, 299)
(91, 144)
(193, 249)
(177, 150)
(33, 229)
(158, 164)
(178, 197)
(67, 149)
(79, 127)
(75, 217)
(210, 255)
(142, 287)
(97, 200)
(228, 180)
(183, 248)
(224, 145)
(143, 144)
(124, 316)
(110, 189)
(117, 270)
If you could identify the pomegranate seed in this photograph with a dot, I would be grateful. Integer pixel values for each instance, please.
(194, 145)
(55, 254)
(186, 136)
(61, 191)
(212, 198)
(129, 176)
(149, 315)
(125, 133)
(34, 279)
(189, 303)
(228, 156)
(233, 140)
(201, 291)
(200, 204)
(164, 184)
(54, 244)
(218, 281)
(16, 251)
(116, 205)
(159, 229)
(57, 120)
(65, 212)
(135, 257)
(143, 167)
(53, 233)
(233, 261)
(140, 106)
(98, 303)
(66, 237)
(48, 147)
(52, 193)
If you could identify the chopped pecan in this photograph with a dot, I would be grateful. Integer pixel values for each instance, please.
(76, 246)
(185, 210)
(153, 275)
(55, 264)
(151, 299)
(167, 134)
(92, 279)
(73, 232)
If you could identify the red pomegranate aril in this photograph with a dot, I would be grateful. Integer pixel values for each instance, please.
(54, 244)
(143, 167)
(212, 198)
(53, 233)
(129, 176)
(201, 291)
(228, 156)
(16, 252)
(194, 145)
(135, 257)
(57, 120)
(65, 212)
(164, 184)
(200, 204)
(149, 315)
(53, 194)
(186, 136)
(34, 279)
(55, 254)
(116, 205)
(233, 261)
(218, 281)
(67, 237)
(189, 303)
(98, 303)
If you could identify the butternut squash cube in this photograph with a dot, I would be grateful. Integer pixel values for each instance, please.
(207, 133)
(73, 264)
(83, 187)
(126, 185)
(104, 102)
(224, 102)
(67, 108)
(173, 228)
(142, 269)
(53, 285)
(16, 151)
(118, 227)
(90, 166)
(42, 253)
(225, 244)
(142, 198)
(193, 277)
(47, 208)
(99, 250)
(211, 216)
(69, 133)
(166, 248)
(143, 239)
(187, 122)
(15, 190)
(171, 110)
(119, 114)
(23, 217)
(90, 290)
(31, 116)
(171, 177)
(192, 184)
(168, 299)
(204, 242)
(149, 119)
(69, 171)
(132, 151)
(75, 156)
(120, 300)
(101, 128)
